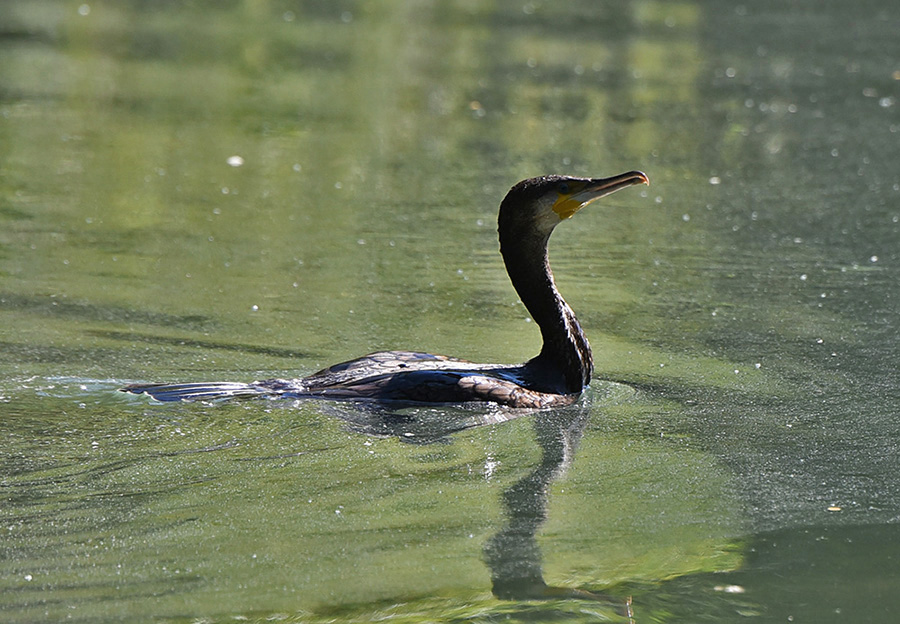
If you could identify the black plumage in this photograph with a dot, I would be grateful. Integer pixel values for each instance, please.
(556, 376)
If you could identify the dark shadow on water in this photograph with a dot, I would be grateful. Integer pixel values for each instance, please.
(82, 311)
(17, 353)
(20, 353)
(417, 424)
(201, 344)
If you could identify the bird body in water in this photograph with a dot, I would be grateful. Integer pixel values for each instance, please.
(556, 376)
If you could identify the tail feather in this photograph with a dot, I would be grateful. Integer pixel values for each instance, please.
(213, 391)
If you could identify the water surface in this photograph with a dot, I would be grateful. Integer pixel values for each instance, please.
(252, 189)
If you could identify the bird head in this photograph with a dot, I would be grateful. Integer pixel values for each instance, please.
(542, 203)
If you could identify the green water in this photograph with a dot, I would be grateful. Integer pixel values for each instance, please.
(237, 190)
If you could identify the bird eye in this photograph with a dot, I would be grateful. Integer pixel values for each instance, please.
(563, 188)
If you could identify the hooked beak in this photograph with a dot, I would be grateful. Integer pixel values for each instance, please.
(583, 192)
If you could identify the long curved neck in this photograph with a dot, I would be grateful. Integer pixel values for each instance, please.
(565, 358)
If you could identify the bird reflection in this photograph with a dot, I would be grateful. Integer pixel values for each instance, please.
(512, 554)
(418, 424)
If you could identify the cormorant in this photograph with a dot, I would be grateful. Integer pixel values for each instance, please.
(556, 376)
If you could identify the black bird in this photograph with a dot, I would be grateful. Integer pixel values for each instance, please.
(556, 376)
